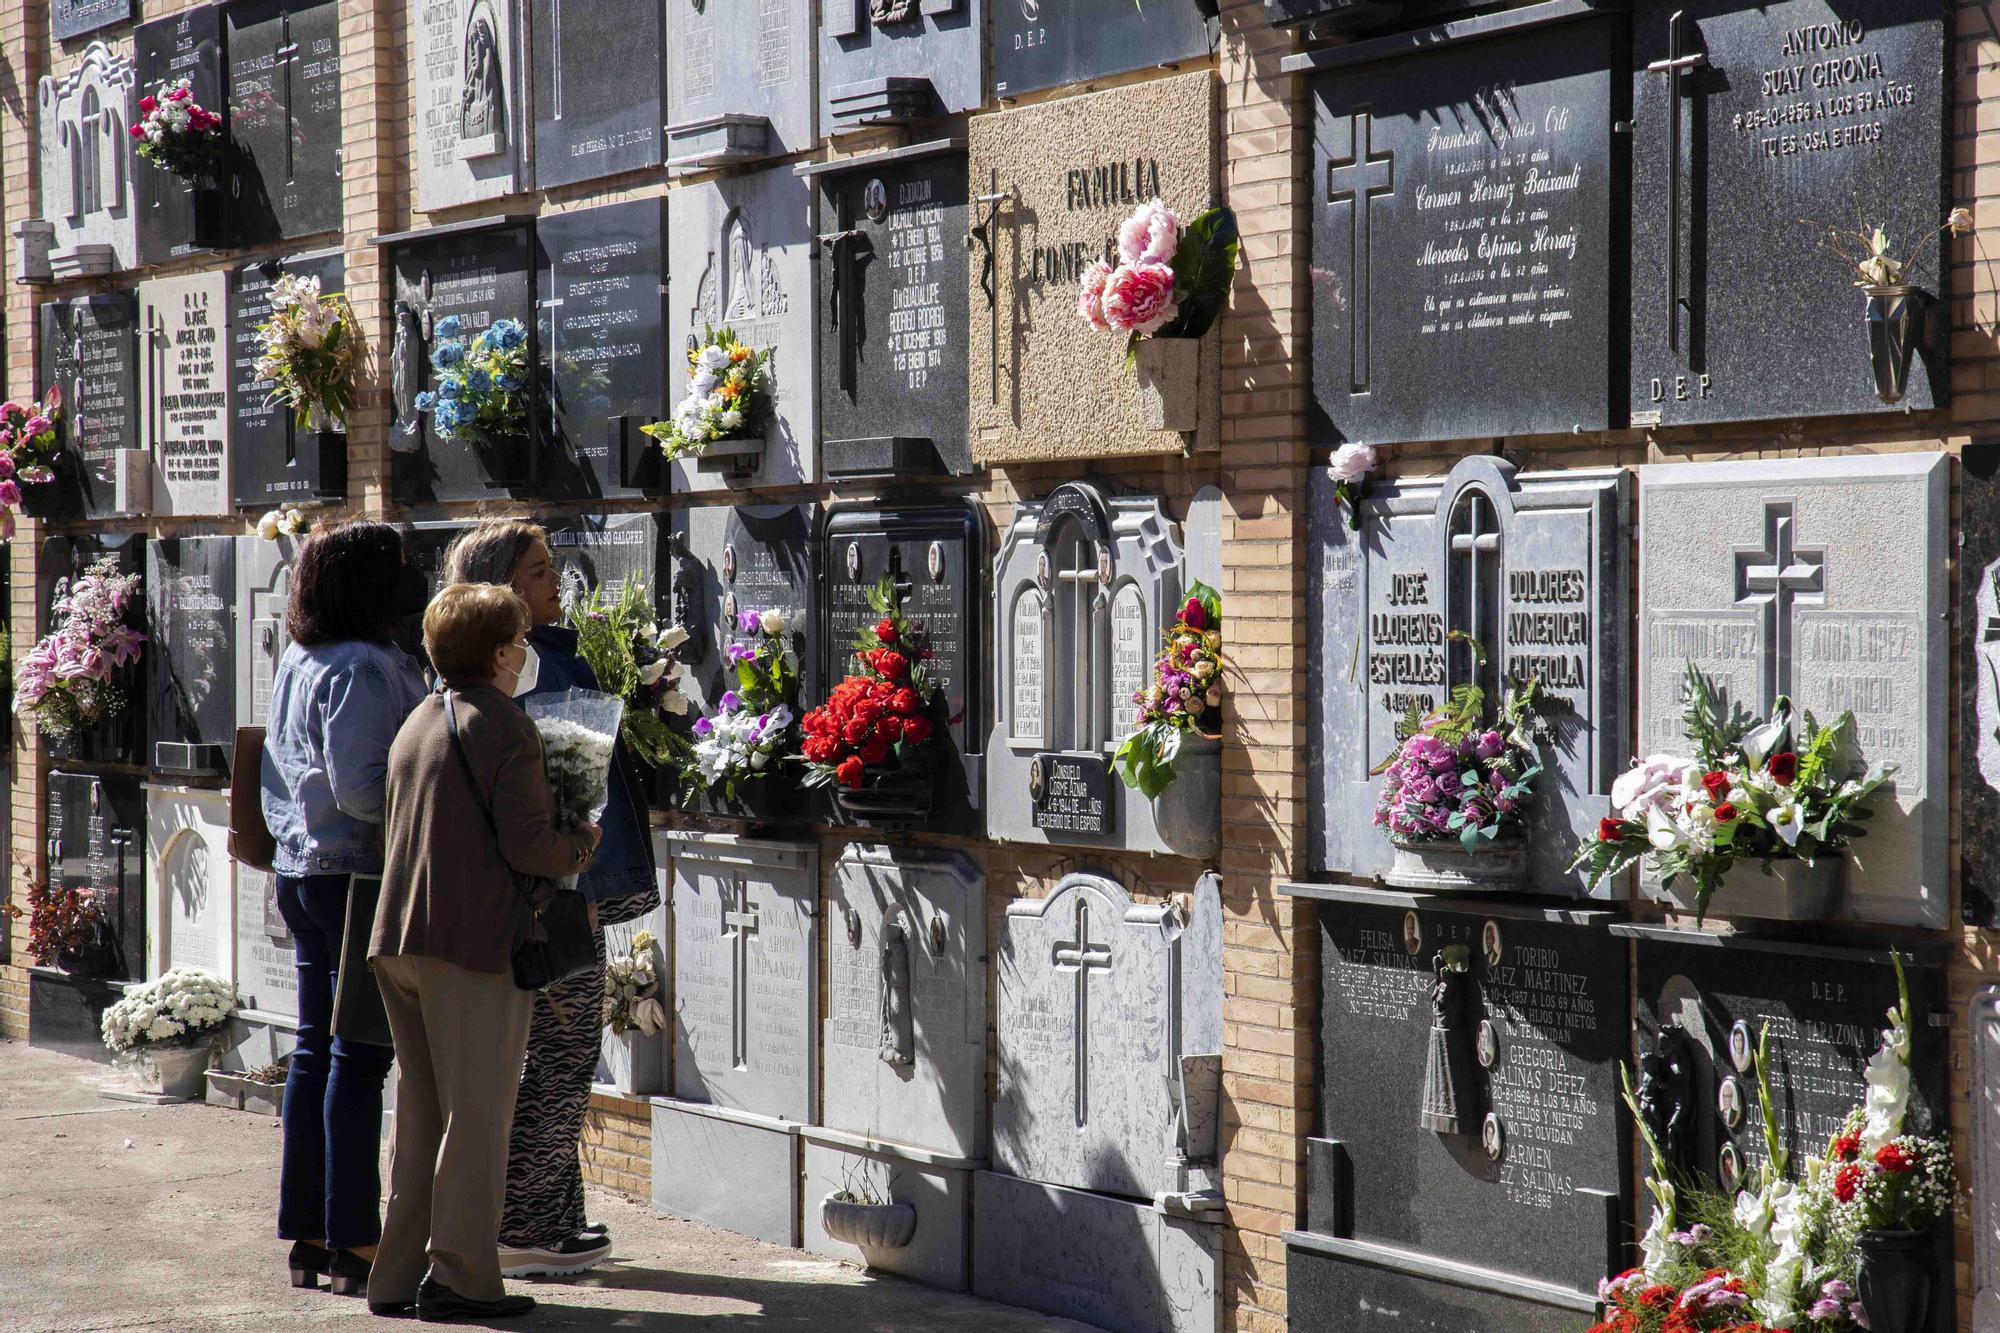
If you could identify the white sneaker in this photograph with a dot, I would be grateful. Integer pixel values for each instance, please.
(563, 1259)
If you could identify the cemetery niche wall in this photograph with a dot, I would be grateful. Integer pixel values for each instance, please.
(177, 218)
(904, 1042)
(274, 459)
(284, 119)
(740, 249)
(1532, 567)
(192, 907)
(191, 655)
(479, 272)
(1084, 587)
(600, 75)
(890, 62)
(1823, 581)
(1462, 246)
(1051, 184)
(1472, 1163)
(89, 349)
(89, 223)
(1104, 1201)
(892, 311)
(1755, 129)
(95, 843)
(741, 86)
(600, 302)
(1039, 46)
(934, 556)
(745, 1005)
(184, 355)
(468, 67)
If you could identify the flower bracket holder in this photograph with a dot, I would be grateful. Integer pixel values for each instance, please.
(735, 458)
(1170, 383)
(641, 466)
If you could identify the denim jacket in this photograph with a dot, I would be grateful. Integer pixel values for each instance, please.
(335, 709)
(624, 861)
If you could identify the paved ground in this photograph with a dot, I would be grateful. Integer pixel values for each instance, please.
(115, 1216)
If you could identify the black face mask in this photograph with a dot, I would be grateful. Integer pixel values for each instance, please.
(411, 594)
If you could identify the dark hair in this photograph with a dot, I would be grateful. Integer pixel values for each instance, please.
(467, 623)
(344, 584)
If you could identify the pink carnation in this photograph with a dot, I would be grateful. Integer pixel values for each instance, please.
(1090, 298)
(1139, 298)
(10, 493)
(1150, 235)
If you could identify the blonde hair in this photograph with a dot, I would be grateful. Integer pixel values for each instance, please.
(467, 623)
(488, 553)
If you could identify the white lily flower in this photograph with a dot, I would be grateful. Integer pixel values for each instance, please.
(1765, 741)
(1788, 821)
(672, 637)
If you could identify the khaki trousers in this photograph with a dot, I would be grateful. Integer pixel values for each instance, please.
(460, 1037)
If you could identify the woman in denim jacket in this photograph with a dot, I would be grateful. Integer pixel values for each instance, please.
(340, 694)
(543, 1231)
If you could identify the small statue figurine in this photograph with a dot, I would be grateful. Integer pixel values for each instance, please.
(898, 1043)
(1666, 1103)
(1449, 1099)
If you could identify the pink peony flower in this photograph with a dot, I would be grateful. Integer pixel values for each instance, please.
(1139, 298)
(1150, 235)
(1090, 297)
(10, 493)
(1352, 462)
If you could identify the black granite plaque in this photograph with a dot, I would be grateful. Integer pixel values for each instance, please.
(120, 738)
(482, 272)
(191, 656)
(892, 314)
(425, 546)
(1462, 264)
(1331, 16)
(184, 45)
(66, 1013)
(1533, 1181)
(1071, 793)
(606, 551)
(1344, 1292)
(1039, 45)
(273, 459)
(1826, 1007)
(1979, 683)
(89, 348)
(936, 556)
(1787, 119)
(96, 841)
(284, 119)
(74, 18)
(600, 79)
(600, 299)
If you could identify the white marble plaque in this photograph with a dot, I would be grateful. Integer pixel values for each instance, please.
(263, 585)
(84, 118)
(187, 846)
(1030, 670)
(1131, 654)
(469, 138)
(184, 391)
(267, 981)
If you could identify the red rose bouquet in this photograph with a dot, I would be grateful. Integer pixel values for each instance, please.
(876, 724)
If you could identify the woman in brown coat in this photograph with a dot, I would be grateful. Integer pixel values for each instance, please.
(450, 917)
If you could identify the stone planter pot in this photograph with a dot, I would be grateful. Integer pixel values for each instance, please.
(1897, 1280)
(1894, 318)
(205, 225)
(1169, 375)
(327, 448)
(872, 1226)
(1188, 814)
(902, 801)
(635, 1064)
(1444, 866)
(506, 462)
(1793, 891)
(178, 1072)
(246, 1093)
(736, 456)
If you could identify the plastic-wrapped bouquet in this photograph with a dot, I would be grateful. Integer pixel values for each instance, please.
(307, 350)
(284, 521)
(729, 395)
(752, 729)
(579, 729)
(30, 443)
(177, 134)
(69, 679)
(632, 989)
(482, 382)
(1185, 696)
(632, 655)
(1454, 776)
(179, 1009)
(876, 723)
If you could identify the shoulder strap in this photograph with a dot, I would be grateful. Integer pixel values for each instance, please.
(472, 780)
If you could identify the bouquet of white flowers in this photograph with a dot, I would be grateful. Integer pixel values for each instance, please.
(632, 989)
(177, 1010)
(579, 729)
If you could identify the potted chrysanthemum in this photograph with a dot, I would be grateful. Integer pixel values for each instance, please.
(167, 1029)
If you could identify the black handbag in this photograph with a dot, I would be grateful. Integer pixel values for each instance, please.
(561, 943)
(358, 1014)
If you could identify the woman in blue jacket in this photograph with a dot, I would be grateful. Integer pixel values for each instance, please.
(543, 1231)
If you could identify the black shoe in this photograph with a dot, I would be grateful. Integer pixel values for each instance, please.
(436, 1303)
(307, 1261)
(392, 1309)
(597, 1229)
(565, 1258)
(347, 1275)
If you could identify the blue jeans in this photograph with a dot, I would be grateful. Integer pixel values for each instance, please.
(329, 1182)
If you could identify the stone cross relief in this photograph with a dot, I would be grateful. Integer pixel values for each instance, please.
(1360, 178)
(1776, 579)
(739, 924)
(1472, 591)
(1080, 956)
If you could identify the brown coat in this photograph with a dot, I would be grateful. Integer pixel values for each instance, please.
(446, 887)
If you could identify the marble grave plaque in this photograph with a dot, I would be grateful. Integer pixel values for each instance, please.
(905, 1021)
(273, 458)
(726, 560)
(1461, 246)
(740, 86)
(740, 249)
(284, 119)
(1979, 684)
(263, 587)
(267, 981)
(184, 355)
(96, 831)
(83, 121)
(599, 76)
(426, 546)
(746, 988)
(1825, 581)
(187, 845)
(1043, 384)
(1532, 566)
(187, 45)
(120, 739)
(89, 347)
(1038, 46)
(600, 303)
(605, 551)
(191, 654)
(892, 365)
(467, 67)
(887, 62)
(1781, 121)
(74, 18)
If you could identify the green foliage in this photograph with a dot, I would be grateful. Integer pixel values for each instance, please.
(622, 643)
(1204, 266)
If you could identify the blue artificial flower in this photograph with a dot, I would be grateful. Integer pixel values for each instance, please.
(449, 387)
(447, 354)
(449, 326)
(448, 416)
(511, 380)
(425, 400)
(509, 333)
(478, 379)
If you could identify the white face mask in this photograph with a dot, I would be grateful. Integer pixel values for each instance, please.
(531, 671)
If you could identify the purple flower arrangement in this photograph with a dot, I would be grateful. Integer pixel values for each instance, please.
(68, 680)
(1450, 781)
